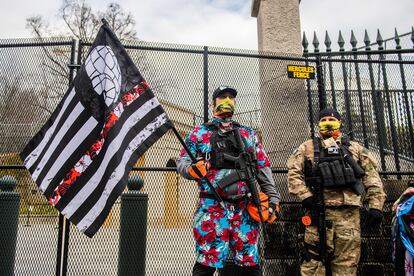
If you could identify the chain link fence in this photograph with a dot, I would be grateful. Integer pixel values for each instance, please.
(375, 94)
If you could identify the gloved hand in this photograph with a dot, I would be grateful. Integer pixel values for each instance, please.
(308, 203)
(274, 212)
(374, 217)
(198, 170)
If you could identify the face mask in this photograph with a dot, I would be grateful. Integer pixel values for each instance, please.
(224, 108)
(330, 129)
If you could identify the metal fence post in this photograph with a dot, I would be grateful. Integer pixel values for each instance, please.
(205, 83)
(321, 83)
(133, 229)
(64, 223)
(9, 215)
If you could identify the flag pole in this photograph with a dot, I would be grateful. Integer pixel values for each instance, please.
(193, 159)
(62, 250)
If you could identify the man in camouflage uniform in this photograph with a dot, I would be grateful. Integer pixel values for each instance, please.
(342, 203)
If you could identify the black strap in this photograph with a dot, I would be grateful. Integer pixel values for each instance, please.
(345, 141)
(237, 199)
(345, 149)
(316, 151)
(204, 195)
(196, 170)
(216, 124)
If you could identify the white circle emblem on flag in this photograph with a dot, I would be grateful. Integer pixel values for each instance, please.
(103, 69)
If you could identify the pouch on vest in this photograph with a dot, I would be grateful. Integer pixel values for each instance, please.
(326, 174)
(338, 174)
(349, 175)
(230, 182)
(358, 171)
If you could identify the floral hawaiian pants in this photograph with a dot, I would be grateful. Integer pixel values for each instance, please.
(217, 231)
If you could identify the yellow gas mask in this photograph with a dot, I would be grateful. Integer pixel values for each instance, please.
(330, 129)
(224, 108)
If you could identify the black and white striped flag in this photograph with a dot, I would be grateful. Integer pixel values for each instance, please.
(81, 157)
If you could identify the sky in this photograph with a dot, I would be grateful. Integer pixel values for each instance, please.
(225, 23)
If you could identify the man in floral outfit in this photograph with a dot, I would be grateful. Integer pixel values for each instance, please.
(220, 227)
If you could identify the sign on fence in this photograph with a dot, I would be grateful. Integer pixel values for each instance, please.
(301, 72)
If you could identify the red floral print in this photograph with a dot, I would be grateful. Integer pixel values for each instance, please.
(225, 236)
(211, 255)
(215, 212)
(247, 261)
(252, 236)
(238, 246)
(205, 137)
(193, 138)
(210, 237)
(244, 133)
(207, 226)
(235, 222)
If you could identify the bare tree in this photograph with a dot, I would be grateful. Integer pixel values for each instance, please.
(79, 18)
(83, 22)
(15, 124)
(122, 23)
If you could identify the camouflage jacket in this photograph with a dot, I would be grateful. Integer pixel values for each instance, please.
(337, 196)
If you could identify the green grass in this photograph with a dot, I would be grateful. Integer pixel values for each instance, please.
(39, 209)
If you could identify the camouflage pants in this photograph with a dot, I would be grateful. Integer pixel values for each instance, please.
(343, 242)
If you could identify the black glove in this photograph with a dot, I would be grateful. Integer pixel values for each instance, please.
(308, 203)
(374, 217)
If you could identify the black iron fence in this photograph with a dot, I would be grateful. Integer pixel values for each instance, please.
(373, 89)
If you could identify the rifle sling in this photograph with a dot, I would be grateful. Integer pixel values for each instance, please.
(316, 151)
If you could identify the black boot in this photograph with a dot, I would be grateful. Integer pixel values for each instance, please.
(203, 270)
(255, 270)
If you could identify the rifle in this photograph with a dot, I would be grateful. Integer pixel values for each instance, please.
(321, 223)
(318, 213)
(246, 171)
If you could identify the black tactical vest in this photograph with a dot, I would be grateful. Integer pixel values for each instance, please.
(224, 144)
(335, 168)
